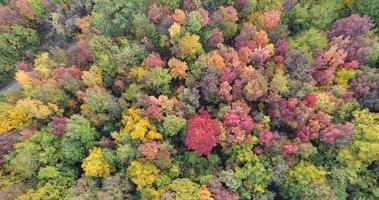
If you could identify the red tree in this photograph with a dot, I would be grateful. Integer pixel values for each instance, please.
(202, 133)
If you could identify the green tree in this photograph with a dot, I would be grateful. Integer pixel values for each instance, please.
(114, 18)
(80, 137)
(13, 44)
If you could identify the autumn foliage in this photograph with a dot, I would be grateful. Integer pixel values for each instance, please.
(189, 99)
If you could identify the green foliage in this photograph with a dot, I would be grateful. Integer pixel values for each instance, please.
(279, 83)
(42, 149)
(104, 51)
(37, 7)
(114, 18)
(229, 29)
(314, 15)
(172, 4)
(309, 41)
(189, 100)
(368, 7)
(13, 43)
(195, 22)
(267, 5)
(197, 167)
(366, 136)
(307, 181)
(158, 79)
(185, 189)
(173, 125)
(80, 137)
(47, 173)
(252, 175)
(131, 55)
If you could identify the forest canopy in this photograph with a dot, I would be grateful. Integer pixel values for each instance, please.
(189, 99)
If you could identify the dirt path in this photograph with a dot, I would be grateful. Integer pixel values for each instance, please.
(12, 86)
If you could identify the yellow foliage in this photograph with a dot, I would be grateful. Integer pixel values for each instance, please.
(24, 111)
(45, 192)
(143, 174)
(366, 139)
(95, 164)
(204, 193)
(271, 48)
(189, 46)
(44, 65)
(25, 80)
(306, 172)
(343, 76)
(137, 73)
(87, 31)
(174, 29)
(139, 127)
(93, 77)
(326, 102)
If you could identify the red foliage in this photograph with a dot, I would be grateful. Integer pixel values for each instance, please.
(156, 13)
(322, 73)
(338, 135)
(81, 54)
(245, 38)
(118, 86)
(292, 111)
(73, 71)
(310, 100)
(230, 56)
(352, 26)
(304, 134)
(228, 76)
(154, 60)
(289, 149)
(236, 118)
(205, 15)
(23, 66)
(351, 65)
(27, 133)
(202, 133)
(219, 192)
(265, 137)
(7, 16)
(24, 8)
(271, 19)
(260, 55)
(216, 38)
(281, 47)
(242, 3)
(59, 125)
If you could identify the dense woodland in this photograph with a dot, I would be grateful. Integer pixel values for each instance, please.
(190, 99)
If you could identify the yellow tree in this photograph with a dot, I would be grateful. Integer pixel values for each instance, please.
(95, 164)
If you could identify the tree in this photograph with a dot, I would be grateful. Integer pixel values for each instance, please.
(202, 133)
(309, 41)
(116, 18)
(95, 164)
(189, 46)
(80, 137)
(139, 127)
(158, 79)
(13, 44)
